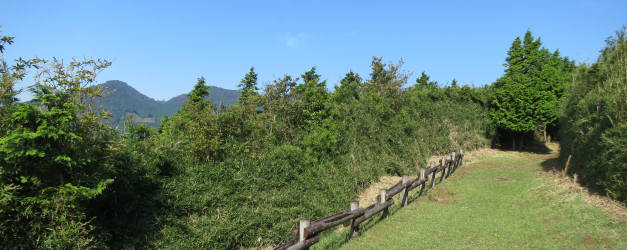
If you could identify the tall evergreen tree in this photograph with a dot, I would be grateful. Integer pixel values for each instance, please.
(314, 95)
(349, 87)
(454, 83)
(423, 81)
(248, 85)
(199, 92)
(527, 96)
(197, 96)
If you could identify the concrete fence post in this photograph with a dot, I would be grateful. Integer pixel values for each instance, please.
(354, 228)
(382, 199)
(304, 223)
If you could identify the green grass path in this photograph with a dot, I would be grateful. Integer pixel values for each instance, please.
(499, 201)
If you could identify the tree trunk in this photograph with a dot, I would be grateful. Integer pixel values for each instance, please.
(514, 142)
(522, 139)
(545, 141)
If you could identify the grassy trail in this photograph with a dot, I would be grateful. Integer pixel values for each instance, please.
(499, 201)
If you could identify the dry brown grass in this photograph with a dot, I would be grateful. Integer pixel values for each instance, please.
(571, 189)
(452, 135)
(469, 157)
(369, 196)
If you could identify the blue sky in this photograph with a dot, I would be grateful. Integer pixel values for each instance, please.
(160, 48)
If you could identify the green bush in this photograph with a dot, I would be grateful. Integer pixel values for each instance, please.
(298, 150)
(594, 121)
(52, 154)
(213, 177)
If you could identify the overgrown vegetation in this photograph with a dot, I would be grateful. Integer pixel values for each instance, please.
(594, 121)
(243, 176)
(215, 176)
(52, 155)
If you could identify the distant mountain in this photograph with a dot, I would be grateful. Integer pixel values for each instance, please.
(122, 100)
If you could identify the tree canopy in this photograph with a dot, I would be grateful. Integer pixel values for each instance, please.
(529, 94)
(248, 86)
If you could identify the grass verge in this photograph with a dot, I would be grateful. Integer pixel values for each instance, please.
(499, 200)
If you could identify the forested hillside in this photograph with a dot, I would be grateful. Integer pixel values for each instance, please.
(122, 101)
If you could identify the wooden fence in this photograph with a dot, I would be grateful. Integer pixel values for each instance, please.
(308, 231)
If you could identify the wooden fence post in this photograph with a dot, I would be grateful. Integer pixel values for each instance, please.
(354, 228)
(443, 165)
(382, 199)
(454, 159)
(423, 180)
(449, 159)
(461, 157)
(405, 190)
(432, 175)
(446, 167)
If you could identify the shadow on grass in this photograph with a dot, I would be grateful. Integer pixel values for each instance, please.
(551, 164)
(533, 147)
(335, 240)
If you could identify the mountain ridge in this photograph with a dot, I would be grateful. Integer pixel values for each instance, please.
(121, 100)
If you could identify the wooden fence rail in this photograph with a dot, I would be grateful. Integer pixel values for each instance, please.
(308, 232)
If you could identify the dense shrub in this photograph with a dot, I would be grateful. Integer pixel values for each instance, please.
(212, 177)
(298, 150)
(52, 154)
(594, 121)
